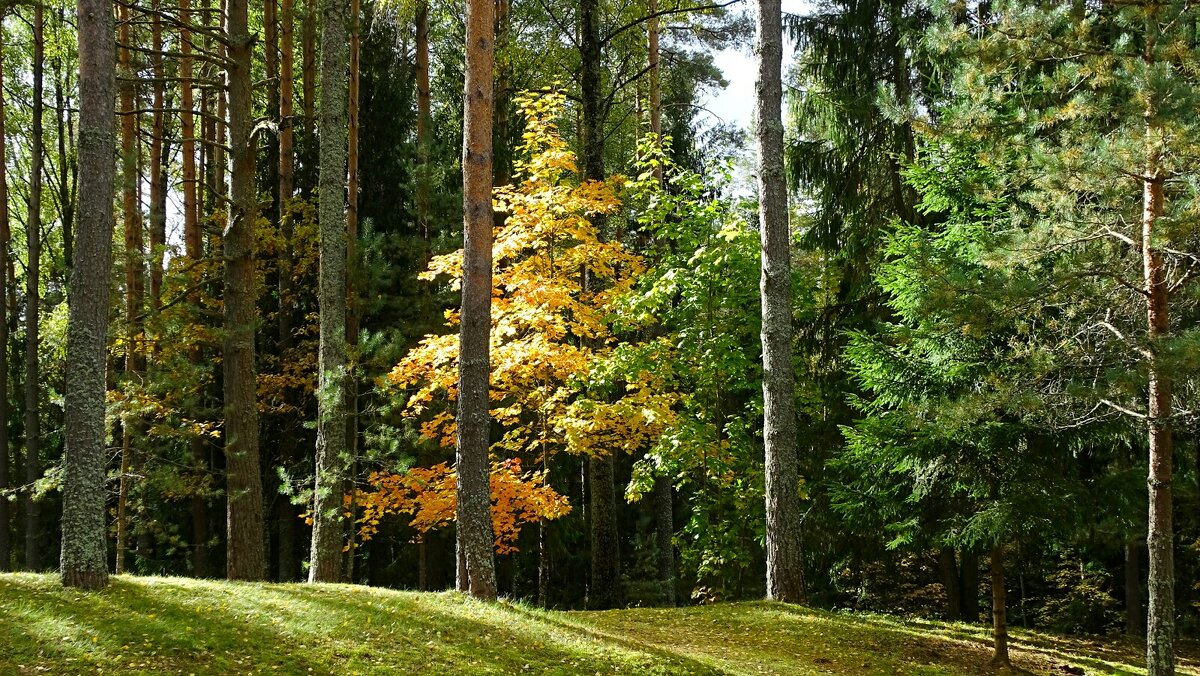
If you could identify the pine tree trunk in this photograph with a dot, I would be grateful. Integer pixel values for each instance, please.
(286, 516)
(999, 610)
(424, 130)
(246, 560)
(353, 317)
(1160, 631)
(308, 77)
(5, 241)
(132, 222)
(331, 400)
(84, 562)
(1135, 621)
(33, 467)
(474, 530)
(159, 160)
(785, 573)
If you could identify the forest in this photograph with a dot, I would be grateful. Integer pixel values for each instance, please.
(533, 301)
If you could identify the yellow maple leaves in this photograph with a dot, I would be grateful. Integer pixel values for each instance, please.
(555, 280)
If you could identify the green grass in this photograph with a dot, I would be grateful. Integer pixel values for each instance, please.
(176, 625)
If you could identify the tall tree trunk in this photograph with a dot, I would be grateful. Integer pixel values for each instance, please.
(5, 240)
(33, 466)
(475, 535)
(194, 250)
(285, 510)
(1160, 630)
(308, 77)
(424, 126)
(353, 317)
(159, 161)
(1135, 621)
(605, 557)
(132, 221)
(999, 610)
(246, 560)
(84, 562)
(67, 173)
(785, 561)
(331, 400)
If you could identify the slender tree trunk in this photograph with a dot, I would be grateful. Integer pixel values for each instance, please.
(652, 35)
(1135, 621)
(5, 240)
(84, 562)
(999, 610)
(605, 557)
(352, 310)
(331, 400)
(475, 535)
(1160, 631)
(67, 169)
(33, 466)
(285, 510)
(132, 221)
(308, 50)
(785, 561)
(423, 125)
(194, 250)
(246, 560)
(158, 162)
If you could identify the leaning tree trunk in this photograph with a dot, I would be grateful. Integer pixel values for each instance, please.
(999, 610)
(33, 467)
(246, 559)
(331, 399)
(83, 561)
(785, 575)
(474, 420)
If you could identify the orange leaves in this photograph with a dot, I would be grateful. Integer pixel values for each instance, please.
(427, 494)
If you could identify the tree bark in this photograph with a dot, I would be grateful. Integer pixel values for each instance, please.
(331, 401)
(159, 161)
(605, 590)
(84, 562)
(785, 573)
(194, 250)
(353, 316)
(33, 466)
(664, 519)
(424, 125)
(308, 51)
(474, 418)
(132, 222)
(5, 261)
(246, 560)
(1160, 630)
(999, 610)
(288, 568)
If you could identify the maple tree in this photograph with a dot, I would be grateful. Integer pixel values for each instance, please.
(555, 281)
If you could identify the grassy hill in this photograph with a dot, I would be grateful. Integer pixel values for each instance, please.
(175, 625)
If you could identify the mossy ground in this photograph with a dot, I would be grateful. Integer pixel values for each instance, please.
(176, 625)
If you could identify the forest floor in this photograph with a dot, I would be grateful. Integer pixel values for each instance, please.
(176, 625)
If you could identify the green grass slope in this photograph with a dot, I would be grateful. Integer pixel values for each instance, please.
(175, 625)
